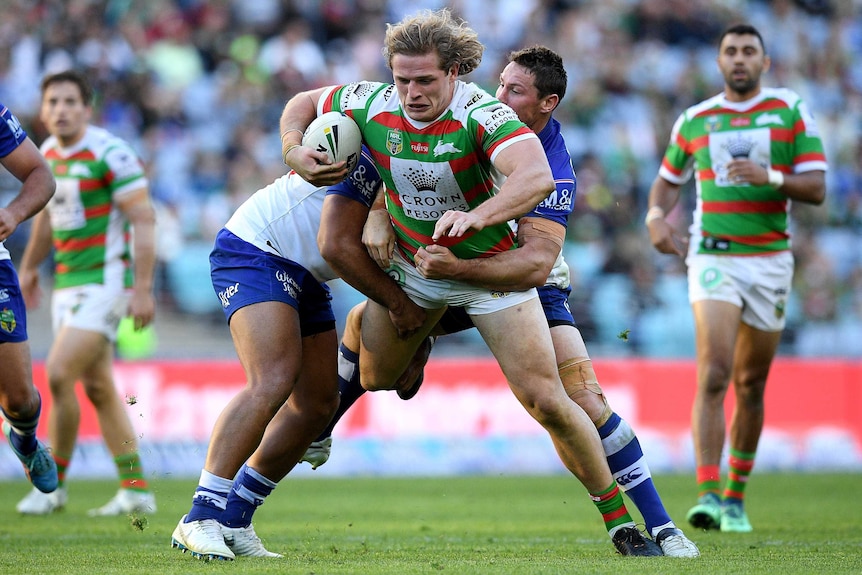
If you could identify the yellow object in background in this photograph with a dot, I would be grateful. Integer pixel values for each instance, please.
(131, 344)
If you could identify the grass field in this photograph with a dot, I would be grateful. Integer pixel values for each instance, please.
(467, 525)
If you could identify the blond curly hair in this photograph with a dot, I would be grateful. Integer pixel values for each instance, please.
(452, 40)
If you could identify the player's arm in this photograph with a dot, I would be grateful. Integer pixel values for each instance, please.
(539, 243)
(340, 243)
(528, 181)
(137, 207)
(37, 249)
(298, 113)
(377, 234)
(663, 196)
(808, 187)
(38, 185)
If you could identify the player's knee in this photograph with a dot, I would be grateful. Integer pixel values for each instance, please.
(372, 381)
(20, 402)
(353, 326)
(582, 387)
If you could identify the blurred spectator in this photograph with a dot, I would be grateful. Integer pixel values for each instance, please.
(197, 87)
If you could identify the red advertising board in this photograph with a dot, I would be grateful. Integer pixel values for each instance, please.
(171, 400)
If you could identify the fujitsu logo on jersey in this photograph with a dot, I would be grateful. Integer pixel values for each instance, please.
(419, 147)
(740, 121)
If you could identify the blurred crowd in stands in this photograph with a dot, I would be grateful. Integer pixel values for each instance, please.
(197, 86)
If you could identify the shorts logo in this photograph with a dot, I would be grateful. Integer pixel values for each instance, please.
(7, 320)
(710, 278)
(499, 294)
(289, 284)
(779, 309)
(4, 295)
(228, 293)
(396, 274)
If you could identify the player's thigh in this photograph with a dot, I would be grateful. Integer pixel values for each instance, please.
(74, 353)
(383, 355)
(716, 324)
(317, 385)
(520, 340)
(268, 341)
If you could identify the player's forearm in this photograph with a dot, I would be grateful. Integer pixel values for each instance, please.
(298, 113)
(523, 190)
(38, 244)
(808, 187)
(508, 271)
(38, 188)
(353, 264)
(144, 250)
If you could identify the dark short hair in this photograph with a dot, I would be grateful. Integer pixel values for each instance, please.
(74, 77)
(549, 75)
(741, 30)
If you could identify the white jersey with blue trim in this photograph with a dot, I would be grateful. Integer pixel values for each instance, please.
(284, 217)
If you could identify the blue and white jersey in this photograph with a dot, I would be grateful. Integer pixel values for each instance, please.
(12, 134)
(559, 204)
(284, 217)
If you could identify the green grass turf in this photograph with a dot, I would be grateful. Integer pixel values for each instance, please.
(803, 523)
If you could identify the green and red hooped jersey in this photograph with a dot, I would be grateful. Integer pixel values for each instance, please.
(91, 236)
(774, 129)
(431, 167)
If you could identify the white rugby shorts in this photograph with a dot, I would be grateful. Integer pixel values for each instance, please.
(760, 285)
(91, 307)
(434, 294)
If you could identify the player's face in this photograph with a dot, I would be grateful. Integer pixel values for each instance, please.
(516, 90)
(424, 89)
(742, 61)
(63, 112)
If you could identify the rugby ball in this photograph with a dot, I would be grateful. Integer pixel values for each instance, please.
(337, 136)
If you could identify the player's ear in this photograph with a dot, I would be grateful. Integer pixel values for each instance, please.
(549, 102)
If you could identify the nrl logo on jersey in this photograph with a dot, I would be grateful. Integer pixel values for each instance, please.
(712, 124)
(769, 118)
(394, 142)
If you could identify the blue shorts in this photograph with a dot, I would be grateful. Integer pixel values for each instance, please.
(243, 274)
(555, 304)
(13, 313)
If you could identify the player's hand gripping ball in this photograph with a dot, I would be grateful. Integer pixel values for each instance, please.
(336, 135)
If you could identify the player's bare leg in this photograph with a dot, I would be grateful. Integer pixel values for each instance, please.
(716, 326)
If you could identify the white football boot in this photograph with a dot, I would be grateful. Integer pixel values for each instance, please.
(674, 543)
(203, 539)
(244, 542)
(125, 502)
(38, 503)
